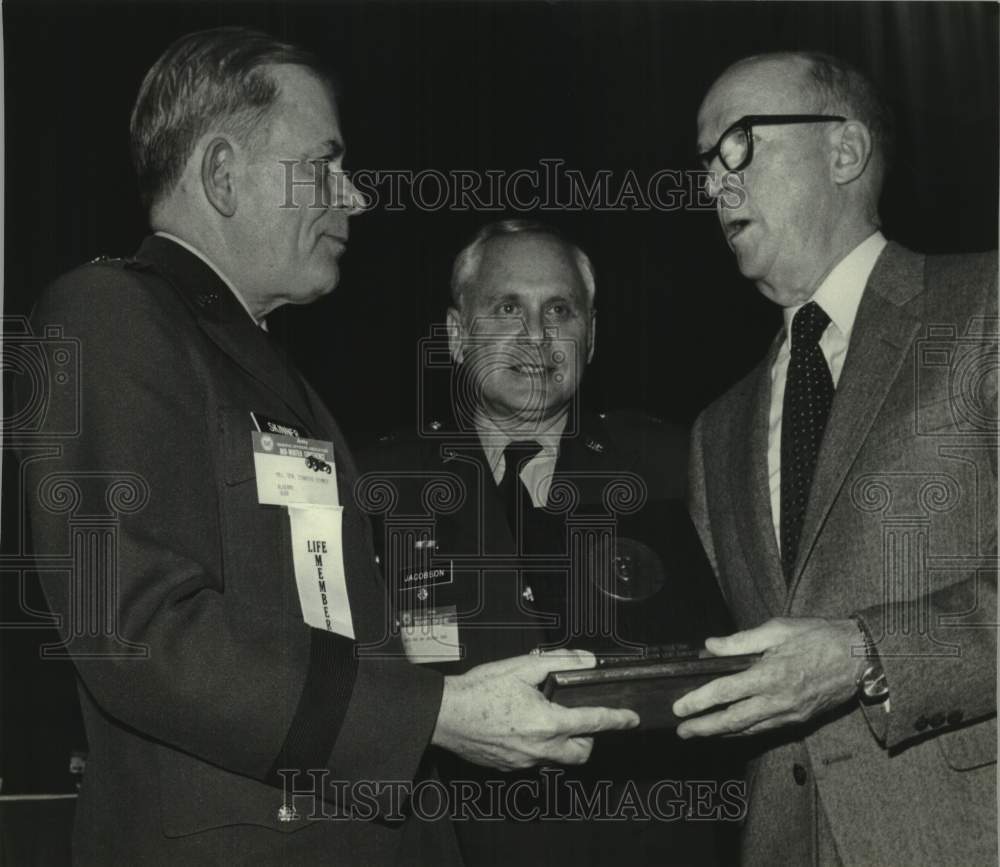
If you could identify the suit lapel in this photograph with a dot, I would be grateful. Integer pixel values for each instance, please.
(753, 493)
(881, 340)
(222, 318)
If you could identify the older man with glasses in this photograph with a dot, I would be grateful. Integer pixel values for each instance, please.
(845, 490)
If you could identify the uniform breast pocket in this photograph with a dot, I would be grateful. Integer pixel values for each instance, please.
(257, 556)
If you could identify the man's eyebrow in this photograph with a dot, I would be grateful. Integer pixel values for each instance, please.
(332, 149)
(495, 297)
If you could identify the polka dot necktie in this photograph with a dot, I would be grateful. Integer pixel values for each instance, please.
(808, 395)
(513, 493)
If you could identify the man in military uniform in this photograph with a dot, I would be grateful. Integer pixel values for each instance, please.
(526, 522)
(220, 669)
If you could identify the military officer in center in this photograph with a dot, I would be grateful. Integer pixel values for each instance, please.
(526, 522)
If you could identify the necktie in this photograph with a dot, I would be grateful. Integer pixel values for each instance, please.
(808, 395)
(513, 493)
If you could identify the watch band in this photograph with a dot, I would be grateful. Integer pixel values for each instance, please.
(872, 682)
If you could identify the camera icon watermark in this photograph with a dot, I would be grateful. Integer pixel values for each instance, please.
(43, 371)
(962, 365)
(512, 377)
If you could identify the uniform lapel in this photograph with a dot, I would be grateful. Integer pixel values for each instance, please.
(587, 449)
(753, 491)
(880, 342)
(222, 318)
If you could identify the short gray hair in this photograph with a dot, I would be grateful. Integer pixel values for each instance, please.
(470, 258)
(212, 77)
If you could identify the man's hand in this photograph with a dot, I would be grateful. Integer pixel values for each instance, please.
(494, 715)
(807, 667)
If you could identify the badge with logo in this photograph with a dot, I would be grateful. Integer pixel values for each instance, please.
(299, 473)
(294, 471)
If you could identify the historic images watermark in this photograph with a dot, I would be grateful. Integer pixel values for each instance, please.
(549, 796)
(935, 499)
(42, 420)
(546, 187)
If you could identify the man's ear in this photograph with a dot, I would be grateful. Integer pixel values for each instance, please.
(852, 151)
(455, 335)
(592, 336)
(217, 176)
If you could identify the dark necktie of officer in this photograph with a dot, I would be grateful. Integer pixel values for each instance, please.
(808, 395)
(514, 495)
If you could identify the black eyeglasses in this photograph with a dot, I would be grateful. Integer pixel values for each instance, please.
(735, 146)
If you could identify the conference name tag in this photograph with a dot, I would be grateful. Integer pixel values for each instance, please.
(294, 471)
(317, 554)
(430, 634)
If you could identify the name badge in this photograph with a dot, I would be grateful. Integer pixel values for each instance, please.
(318, 557)
(431, 574)
(294, 471)
(430, 634)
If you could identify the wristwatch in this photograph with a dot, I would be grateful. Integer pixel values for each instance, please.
(872, 683)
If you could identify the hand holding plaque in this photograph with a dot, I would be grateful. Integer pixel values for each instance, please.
(809, 666)
(648, 684)
(494, 715)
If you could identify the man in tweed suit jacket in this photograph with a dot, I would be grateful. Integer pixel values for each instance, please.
(864, 570)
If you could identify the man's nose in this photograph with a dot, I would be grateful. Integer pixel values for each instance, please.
(535, 328)
(714, 182)
(347, 196)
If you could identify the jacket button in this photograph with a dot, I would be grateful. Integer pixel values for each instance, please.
(799, 774)
(921, 723)
(937, 720)
(955, 717)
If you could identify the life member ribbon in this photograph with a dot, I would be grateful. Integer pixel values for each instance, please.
(318, 557)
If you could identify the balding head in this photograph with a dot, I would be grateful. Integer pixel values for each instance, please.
(811, 186)
(821, 84)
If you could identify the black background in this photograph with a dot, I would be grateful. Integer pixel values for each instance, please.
(499, 86)
(482, 86)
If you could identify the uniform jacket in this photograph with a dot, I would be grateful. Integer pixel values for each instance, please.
(514, 592)
(901, 529)
(198, 678)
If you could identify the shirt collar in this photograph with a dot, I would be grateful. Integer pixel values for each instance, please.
(840, 293)
(192, 249)
(495, 439)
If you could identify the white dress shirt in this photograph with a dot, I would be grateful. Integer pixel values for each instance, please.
(192, 249)
(839, 295)
(536, 474)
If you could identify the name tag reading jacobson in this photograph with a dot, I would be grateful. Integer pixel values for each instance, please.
(294, 471)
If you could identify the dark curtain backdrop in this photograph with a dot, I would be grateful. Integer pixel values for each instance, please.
(479, 86)
(500, 86)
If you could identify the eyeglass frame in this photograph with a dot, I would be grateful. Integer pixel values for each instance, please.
(748, 122)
